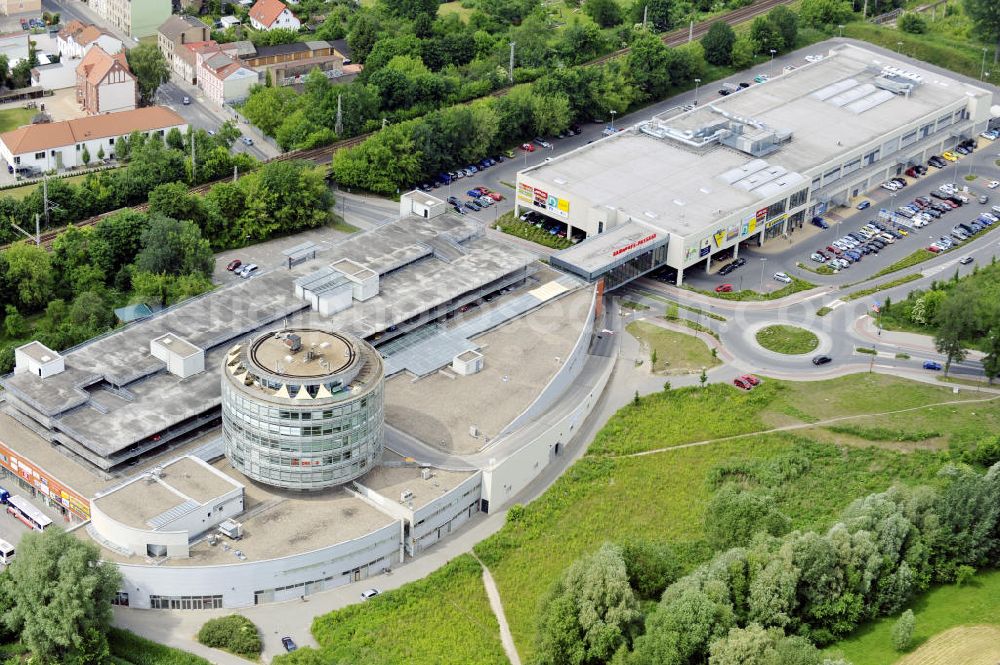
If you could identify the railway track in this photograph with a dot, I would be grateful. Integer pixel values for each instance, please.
(324, 154)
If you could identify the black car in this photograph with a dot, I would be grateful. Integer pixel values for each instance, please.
(453, 200)
(821, 360)
(726, 269)
(744, 84)
(723, 92)
(740, 262)
(289, 644)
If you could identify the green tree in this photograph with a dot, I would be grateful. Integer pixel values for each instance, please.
(659, 14)
(954, 322)
(267, 108)
(14, 323)
(756, 645)
(62, 595)
(651, 567)
(964, 575)
(823, 13)
(362, 36)
(787, 23)
(606, 13)
(912, 22)
(902, 631)
(743, 52)
(174, 247)
(647, 66)
(766, 35)
(29, 272)
(100, 153)
(589, 612)
(150, 69)
(735, 516)
(991, 361)
(985, 15)
(718, 43)
(85, 156)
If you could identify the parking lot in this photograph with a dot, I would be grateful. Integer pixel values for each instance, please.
(922, 228)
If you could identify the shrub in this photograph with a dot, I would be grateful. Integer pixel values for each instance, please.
(964, 575)
(902, 631)
(234, 633)
(651, 567)
(912, 23)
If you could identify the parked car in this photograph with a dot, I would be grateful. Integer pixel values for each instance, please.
(782, 277)
(821, 359)
(542, 143)
(820, 222)
(993, 184)
(751, 379)
(527, 147)
(950, 156)
(724, 288)
(247, 140)
(932, 365)
(248, 270)
(186, 101)
(740, 383)
(368, 594)
(817, 257)
(864, 204)
(233, 265)
(289, 644)
(726, 269)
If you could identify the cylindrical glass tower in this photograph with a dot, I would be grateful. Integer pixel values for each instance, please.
(302, 408)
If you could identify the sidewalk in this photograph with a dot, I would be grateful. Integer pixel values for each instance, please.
(865, 326)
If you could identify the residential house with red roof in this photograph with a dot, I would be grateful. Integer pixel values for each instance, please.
(272, 14)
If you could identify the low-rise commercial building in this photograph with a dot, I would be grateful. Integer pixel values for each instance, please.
(288, 64)
(683, 189)
(60, 145)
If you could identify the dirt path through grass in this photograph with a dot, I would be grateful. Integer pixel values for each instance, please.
(790, 428)
(493, 593)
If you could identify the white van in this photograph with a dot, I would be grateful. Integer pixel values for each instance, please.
(6, 552)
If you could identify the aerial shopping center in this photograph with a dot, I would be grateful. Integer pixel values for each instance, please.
(685, 188)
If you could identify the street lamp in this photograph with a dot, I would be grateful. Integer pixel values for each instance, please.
(697, 82)
(841, 31)
(772, 62)
(613, 112)
(762, 262)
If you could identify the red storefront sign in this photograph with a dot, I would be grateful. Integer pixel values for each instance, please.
(44, 483)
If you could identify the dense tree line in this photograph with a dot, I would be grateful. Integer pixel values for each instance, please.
(961, 313)
(149, 162)
(773, 599)
(416, 61)
(158, 257)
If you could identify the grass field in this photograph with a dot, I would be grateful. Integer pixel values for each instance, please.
(749, 295)
(913, 259)
(129, 649)
(446, 8)
(790, 340)
(943, 608)
(675, 352)
(15, 117)
(406, 625)
(606, 496)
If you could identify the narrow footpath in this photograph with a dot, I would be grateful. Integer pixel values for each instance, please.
(506, 638)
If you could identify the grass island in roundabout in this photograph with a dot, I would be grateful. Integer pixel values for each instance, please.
(790, 340)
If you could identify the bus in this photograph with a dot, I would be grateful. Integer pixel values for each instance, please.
(23, 510)
(6, 552)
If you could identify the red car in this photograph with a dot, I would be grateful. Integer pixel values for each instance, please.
(233, 265)
(934, 248)
(527, 147)
(740, 383)
(751, 379)
(724, 288)
(482, 190)
(495, 196)
(833, 250)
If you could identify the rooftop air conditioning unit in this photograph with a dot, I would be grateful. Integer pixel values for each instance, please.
(425, 473)
(405, 496)
(231, 529)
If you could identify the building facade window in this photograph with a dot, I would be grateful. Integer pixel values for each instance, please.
(852, 166)
(831, 176)
(872, 156)
(798, 198)
(185, 602)
(776, 209)
(39, 155)
(908, 139)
